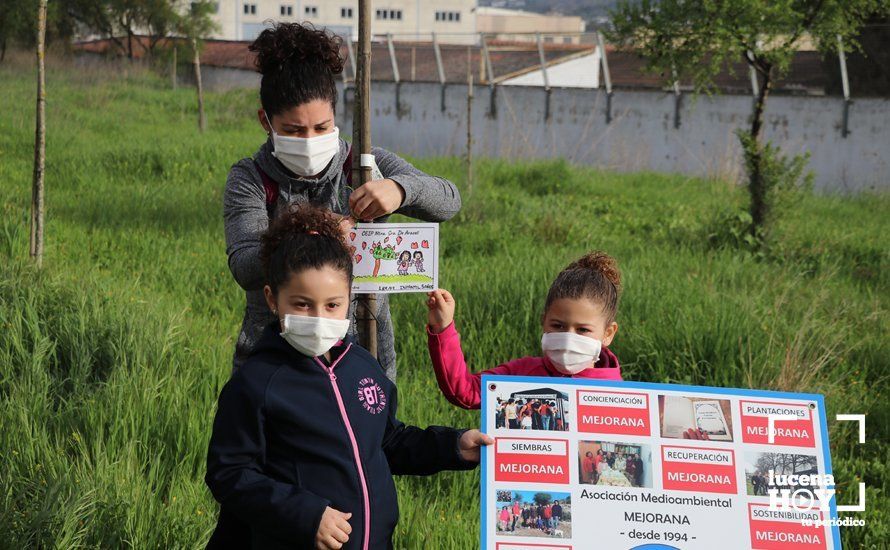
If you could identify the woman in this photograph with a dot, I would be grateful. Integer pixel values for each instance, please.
(304, 159)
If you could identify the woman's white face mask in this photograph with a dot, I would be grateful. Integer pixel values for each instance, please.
(313, 336)
(305, 156)
(570, 353)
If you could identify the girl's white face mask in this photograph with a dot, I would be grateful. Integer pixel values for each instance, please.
(570, 353)
(305, 156)
(313, 336)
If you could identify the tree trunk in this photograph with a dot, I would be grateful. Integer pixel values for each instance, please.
(39, 141)
(201, 122)
(361, 146)
(376, 266)
(756, 184)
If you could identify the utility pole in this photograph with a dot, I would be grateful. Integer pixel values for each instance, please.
(362, 158)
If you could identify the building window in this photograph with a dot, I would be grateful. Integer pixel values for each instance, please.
(249, 9)
(394, 15)
(311, 11)
(287, 10)
(346, 13)
(450, 16)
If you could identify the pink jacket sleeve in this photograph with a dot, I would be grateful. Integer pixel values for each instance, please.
(458, 384)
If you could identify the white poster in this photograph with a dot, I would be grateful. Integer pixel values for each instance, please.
(394, 257)
(580, 464)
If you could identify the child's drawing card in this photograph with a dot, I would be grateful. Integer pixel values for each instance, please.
(394, 257)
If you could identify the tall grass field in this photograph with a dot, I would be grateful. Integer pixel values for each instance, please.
(112, 355)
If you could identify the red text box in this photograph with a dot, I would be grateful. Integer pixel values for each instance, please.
(795, 433)
(531, 460)
(784, 530)
(610, 412)
(698, 469)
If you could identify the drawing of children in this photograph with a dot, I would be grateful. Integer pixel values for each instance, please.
(404, 262)
(418, 261)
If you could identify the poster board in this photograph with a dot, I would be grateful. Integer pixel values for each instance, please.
(647, 490)
(394, 257)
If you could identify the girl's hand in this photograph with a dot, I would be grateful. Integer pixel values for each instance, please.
(333, 530)
(376, 198)
(470, 443)
(441, 306)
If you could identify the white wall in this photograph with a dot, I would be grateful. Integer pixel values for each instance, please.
(641, 135)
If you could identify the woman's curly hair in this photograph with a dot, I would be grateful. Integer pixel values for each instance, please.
(298, 63)
(302, 237)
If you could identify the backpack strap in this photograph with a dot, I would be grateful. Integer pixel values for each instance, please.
(270, 186)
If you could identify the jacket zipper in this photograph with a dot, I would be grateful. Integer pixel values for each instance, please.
(358, 461)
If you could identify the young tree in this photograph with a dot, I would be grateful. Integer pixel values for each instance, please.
(697, 40)
(195, 25)
(39, 141)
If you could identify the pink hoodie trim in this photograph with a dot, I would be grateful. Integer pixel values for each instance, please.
(463, 388)
(366, 498)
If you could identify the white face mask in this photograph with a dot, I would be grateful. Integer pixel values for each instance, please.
(305, 156)
(570, 353)
(313, 336)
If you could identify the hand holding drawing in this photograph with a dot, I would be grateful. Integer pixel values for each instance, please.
(470, 442)
(375, 199)
(441, 310)
(333, 530)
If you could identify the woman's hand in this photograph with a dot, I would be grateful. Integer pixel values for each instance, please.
(692, 433)
(375, 199)
(333, 530)
(441, 310)
(471, 441)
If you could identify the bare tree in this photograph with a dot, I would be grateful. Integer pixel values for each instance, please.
(39, 140)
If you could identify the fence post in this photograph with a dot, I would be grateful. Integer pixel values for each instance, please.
(607, 78)
(492, 87)
(752, 74)
(439, 67)
(395, 72)
(469, 120)
(543, 59)
(845, 82)
(678, 98)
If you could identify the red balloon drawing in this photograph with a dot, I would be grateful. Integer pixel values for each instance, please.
(386, 240)
(364, 245)
(399, 240)
(413, 245)
(358, 258)
(425, 244)
(352, 235)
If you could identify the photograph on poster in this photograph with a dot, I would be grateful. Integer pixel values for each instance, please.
(758, 466)
(607, 463)
(543, 409)
(695, 418)
(533, 513)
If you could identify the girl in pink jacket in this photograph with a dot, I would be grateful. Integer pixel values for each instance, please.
(578, 325)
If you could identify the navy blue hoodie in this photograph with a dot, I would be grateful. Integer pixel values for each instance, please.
(293, 435)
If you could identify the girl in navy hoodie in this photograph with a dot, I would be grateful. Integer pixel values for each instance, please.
(306, 439)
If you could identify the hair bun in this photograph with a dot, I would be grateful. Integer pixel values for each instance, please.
(289, 43)
(601, 263)
(312, 220)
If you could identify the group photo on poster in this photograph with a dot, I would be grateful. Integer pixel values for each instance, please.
(614, 464)
(543, 409)
(534, 513)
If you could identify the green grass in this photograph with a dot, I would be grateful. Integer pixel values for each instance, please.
(112, 355)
